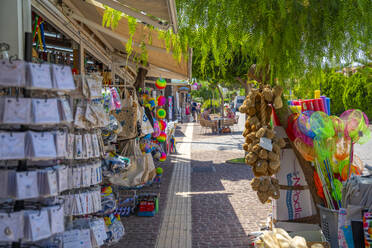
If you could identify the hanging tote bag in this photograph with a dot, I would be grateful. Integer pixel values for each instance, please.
(150, 171)
(146, 127)
(127, 116)
(133, 176)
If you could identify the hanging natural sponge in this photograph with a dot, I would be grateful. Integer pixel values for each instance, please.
(261, 167)
(261, 132)
(263, 154)
(277, 91)
(268, 95)
(250, 158)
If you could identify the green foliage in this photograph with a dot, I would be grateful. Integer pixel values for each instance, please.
(215, 104)
(205, 92)
(132, 23)
(293, 37)
(333, 87)
(286, 39)
(346, 92)
(241, 92)
(358, 91)
(111, 17)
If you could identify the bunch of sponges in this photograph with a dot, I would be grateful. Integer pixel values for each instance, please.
(264, 161)
(261, 144)
(266, 187)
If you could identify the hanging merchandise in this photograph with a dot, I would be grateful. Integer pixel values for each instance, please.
(170, 108)
(162, 125)
(328, 141)
(160, 83)
(162, 137)
(163, 157)
(13, 73)
(52, 148)
(141, 168)
(261, 143)
(161, 101)
(146, 127)
(127, 116)
(161, 113)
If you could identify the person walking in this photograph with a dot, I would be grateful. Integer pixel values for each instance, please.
(194, 111)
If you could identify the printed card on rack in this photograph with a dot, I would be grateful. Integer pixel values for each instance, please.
(16, 110)
(12, 145)
(51, 185)
(12, 74)
(27, 186)
(43, 145)
(37, 225)
(61, 144)
(62, 177)
(99, 234)
(40, 76)
(62, 77)
(78, 146)
(56, 217)
(70, 145)
(71, 239)
(65, 110)
(45, 111)
(11, 226)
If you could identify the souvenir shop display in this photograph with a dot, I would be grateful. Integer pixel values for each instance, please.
(261, 143)
(51, 157)
(29, 173)
(326, 144)
(160, 83)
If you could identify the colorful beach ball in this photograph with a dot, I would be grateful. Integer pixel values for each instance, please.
(161, 83)
(161, 113)
(162, 137)
(161, 101)
(163, 157)
(162, 125)
(159, 170)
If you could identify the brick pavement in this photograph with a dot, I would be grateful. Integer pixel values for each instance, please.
(224, 207)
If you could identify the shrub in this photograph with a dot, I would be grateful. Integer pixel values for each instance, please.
(333, 87)
(358, 91)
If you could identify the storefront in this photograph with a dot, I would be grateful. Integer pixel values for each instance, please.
(76, 130)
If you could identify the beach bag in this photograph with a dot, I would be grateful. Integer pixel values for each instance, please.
(133, 176)
(146, 127)
(150, 171)
(127, 116)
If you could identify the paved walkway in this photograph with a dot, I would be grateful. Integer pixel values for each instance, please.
(176, 226)
(210, 203)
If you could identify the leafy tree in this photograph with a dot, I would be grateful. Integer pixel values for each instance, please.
(334, 87)
(205, 92)
(358, 91)
(293, 37)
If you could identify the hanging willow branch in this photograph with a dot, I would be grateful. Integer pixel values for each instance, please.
(293, 37)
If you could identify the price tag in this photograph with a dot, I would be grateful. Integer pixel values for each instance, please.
(266, 144)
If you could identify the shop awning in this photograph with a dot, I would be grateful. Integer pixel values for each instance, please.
(161, 63)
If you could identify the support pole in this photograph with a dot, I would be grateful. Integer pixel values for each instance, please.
(16, 13)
